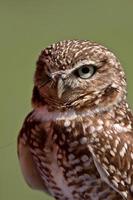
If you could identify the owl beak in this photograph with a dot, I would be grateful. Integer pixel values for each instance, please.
(60, 88)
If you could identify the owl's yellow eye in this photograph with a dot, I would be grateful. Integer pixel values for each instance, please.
(85, 71)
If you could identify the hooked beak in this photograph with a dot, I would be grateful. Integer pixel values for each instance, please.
(60, 88)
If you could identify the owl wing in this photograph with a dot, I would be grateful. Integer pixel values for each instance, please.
(28, 166)
(113, 158)
(103, 172)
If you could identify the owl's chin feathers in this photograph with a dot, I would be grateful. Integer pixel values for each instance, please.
(43, 113)
(86, 104)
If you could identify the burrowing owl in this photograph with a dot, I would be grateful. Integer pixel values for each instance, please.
(77, 143)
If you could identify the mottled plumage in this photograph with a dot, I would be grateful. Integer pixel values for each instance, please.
(77, 143)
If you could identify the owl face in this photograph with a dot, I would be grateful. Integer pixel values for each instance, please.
(78, 74)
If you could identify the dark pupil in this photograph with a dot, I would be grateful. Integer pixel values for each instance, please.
(85, 70)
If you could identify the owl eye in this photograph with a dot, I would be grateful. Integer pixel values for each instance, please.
(85, 71)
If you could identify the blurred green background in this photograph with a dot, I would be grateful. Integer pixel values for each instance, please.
(28, 26)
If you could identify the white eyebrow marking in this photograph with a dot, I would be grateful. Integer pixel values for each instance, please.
(76, 66)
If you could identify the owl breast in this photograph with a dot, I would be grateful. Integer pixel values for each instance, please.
(64, 162)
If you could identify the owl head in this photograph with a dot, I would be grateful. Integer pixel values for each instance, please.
(78, 74)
